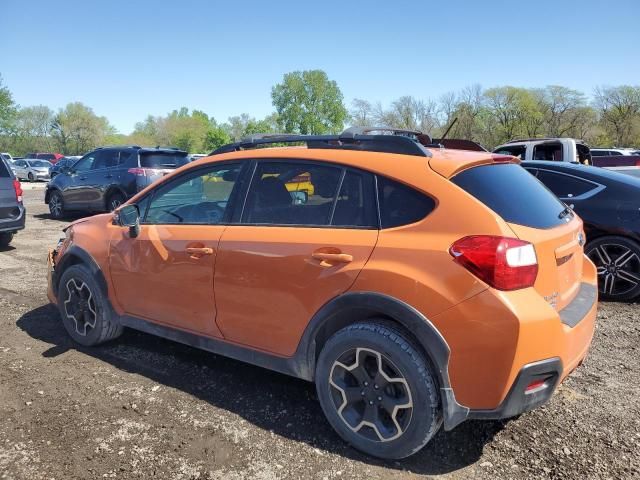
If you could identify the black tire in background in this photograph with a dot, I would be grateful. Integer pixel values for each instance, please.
(114, 201)
(617, 260)
(372, 374)
(85, 310)
(56, 205)
(5, 239)
(31, 177)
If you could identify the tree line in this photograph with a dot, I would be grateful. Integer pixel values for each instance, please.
(308, 102)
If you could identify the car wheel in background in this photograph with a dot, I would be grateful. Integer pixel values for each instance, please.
(114, 201)
(85, 310)
(56, 205)
(617, 260)
(5, 239)
(377, 390)
(31, 177)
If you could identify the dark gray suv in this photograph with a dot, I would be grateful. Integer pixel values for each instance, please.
(105, 178)
(12, 210)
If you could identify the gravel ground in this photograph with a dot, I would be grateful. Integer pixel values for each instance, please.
(143, 407)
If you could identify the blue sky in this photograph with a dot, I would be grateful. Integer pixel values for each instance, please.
(127, 59)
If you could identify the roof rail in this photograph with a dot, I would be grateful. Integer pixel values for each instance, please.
(406, 142)
(118, 146)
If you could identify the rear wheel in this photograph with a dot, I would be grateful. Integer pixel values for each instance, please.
(114, 201)
(617, 260)
(56, 205)
(84, 308)
(377, 390)
(5, 239)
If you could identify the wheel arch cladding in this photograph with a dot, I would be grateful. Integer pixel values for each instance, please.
(354, 307)
(77, 256)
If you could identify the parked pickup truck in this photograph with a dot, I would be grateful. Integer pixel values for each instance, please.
(567, 150)
(550, 149)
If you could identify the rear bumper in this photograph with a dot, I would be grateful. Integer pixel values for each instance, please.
(520, 399)
(15, 223)
(517, 339)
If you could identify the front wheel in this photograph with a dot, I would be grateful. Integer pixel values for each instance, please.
(31, 177)
(85, 310)
(56, 205)
(617, 260)
(377, 390)
(114, 201)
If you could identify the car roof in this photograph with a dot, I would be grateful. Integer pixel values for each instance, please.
(585, 171)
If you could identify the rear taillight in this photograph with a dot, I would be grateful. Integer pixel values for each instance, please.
(140, 172)
(18, 188)
(504, 263)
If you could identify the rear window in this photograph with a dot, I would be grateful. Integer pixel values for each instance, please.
(513, 193)
(163, 160)
(4, 171)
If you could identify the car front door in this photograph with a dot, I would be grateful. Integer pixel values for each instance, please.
(74, 183)
(166, 274)
(306, 231)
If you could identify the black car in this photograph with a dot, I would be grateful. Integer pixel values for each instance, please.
(105, 178)
(12, 212)
(609, 204)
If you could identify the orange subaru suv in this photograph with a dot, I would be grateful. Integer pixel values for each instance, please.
(417, 286)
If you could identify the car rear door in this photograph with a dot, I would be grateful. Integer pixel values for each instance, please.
(166, 274)
(297, 245)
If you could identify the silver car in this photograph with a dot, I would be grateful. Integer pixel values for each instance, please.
(32, 170)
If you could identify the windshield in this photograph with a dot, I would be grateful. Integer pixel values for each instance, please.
(163, 160)
(39, 164)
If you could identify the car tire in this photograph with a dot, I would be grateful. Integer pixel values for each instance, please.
(84, 308)
(5, 239)
(617, 261)
(374, 371)
(56, 205)
(31, 177)
(114, 201)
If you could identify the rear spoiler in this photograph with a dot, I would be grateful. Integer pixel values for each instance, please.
(460, 144)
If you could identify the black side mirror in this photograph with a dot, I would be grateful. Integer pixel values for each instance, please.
(129, 216)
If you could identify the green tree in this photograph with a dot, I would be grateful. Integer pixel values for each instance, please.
(77, 129)
(215, 137)
(619, 109)
(8, 109)
(309, 103)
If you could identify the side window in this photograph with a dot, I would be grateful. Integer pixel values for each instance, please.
(111, 158)
(86, 162)
(564, 186)
(401, 205)
(548, 151)
(515, 150)
(356, 204)
(126, 157)
(200, 198)
(283, 193)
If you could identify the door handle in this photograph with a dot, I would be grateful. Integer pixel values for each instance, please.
(198, 251)
(328, 259)
(108, 176)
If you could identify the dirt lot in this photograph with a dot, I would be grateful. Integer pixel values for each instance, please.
(148, 408)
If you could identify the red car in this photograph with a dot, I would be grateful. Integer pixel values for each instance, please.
(51, 157)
